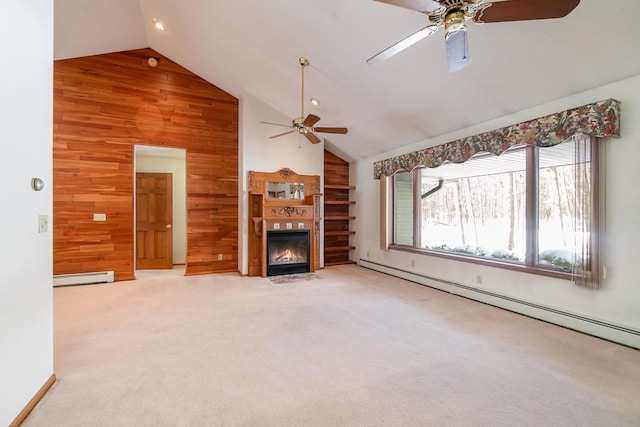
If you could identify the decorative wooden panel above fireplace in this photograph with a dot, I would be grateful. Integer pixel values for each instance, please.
(282, 201)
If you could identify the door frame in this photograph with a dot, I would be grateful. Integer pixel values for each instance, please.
(148, 153)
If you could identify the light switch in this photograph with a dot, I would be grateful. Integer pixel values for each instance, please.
(99, 217)
(43, 223)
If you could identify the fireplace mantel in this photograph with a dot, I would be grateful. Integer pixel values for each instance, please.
(271, 210)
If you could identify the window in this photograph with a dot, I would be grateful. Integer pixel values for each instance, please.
(403, 208)
(530, 208)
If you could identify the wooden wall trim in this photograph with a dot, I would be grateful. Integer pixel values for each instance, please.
(33, 402)
(103, 106)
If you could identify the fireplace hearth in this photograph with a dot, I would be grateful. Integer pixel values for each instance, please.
(287, 252)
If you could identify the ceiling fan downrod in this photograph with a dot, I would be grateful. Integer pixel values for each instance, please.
(303, 63)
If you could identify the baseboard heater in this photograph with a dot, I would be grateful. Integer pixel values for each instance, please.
(598, 328)
(83, 278)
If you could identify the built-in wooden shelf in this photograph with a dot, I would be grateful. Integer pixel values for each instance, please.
(339, 187)
(339, 248)
(339, 202)
(337, 215)
(339, 233)
(341, 262)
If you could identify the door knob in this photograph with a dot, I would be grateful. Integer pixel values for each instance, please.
(168, 225)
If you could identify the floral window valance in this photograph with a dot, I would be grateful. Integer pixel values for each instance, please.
(600, 119)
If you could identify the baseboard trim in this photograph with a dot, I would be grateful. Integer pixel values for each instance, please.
(33, 402)
(595, 327)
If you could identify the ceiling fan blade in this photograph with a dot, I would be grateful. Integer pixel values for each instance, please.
(417, 5)
(403, 44)
(311, 120)
(312, 138)
(281, 134)
(457, 50)
(331, 130)
(276, 124)
(524, 10)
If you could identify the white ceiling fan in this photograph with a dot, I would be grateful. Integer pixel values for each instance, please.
(452, 14)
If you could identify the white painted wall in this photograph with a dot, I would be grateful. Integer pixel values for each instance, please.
(618, 300)
(26, 272)
(259, 153)
(176, 167)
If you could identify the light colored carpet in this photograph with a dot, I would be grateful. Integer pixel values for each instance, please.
(352, 348)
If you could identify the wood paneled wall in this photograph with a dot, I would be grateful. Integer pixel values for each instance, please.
(103, 106)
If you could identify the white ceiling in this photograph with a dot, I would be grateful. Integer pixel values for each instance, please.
(253, 46)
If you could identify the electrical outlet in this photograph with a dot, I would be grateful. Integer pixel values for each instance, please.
(413, 263)
(479, 279)
(220, 257)
(43, 223)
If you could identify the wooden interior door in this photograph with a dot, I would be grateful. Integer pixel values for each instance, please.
(154, 215)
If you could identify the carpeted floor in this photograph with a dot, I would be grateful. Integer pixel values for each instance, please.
(350, 348)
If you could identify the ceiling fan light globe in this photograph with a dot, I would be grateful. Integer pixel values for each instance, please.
(457, 50)
(454, 20)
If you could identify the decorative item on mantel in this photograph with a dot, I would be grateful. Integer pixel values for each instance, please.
(288, 211)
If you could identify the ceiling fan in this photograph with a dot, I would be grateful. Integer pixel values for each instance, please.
(305, 125)
(452, 14)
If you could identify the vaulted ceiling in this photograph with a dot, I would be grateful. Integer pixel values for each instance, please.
(253, 46)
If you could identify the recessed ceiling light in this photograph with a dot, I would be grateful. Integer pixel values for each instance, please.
(314, 101)
(159, 25)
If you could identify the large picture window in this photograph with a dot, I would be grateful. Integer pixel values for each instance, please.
(524, 196)
(530, 208)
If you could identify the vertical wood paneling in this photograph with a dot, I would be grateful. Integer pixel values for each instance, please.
(103, 106)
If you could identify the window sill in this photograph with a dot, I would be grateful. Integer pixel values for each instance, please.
(541, 271)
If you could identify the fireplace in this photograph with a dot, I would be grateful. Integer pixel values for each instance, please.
(284, 232)
(287, 252)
